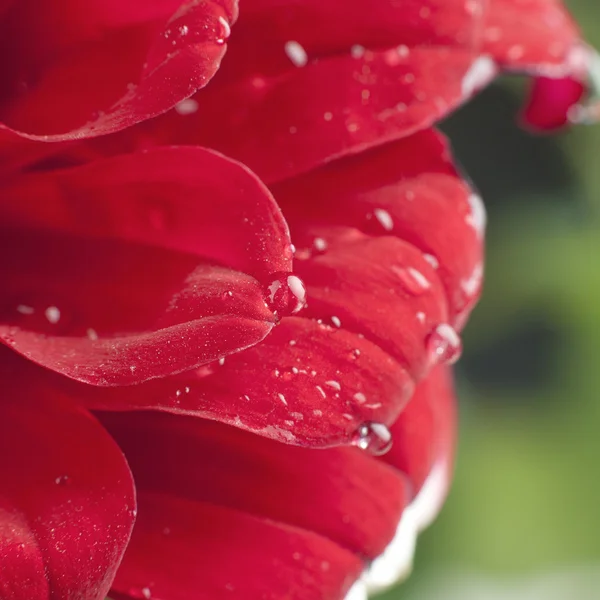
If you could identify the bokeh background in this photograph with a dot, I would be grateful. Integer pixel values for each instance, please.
(523, 519)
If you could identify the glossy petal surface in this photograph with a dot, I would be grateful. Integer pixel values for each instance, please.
(67, 499)
(310, 392)
(408, 189)
(157, 247)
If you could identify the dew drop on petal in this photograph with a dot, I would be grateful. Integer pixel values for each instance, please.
(62, 480)
(286, 294)
(412, 280)
(374, 438)
(384, 218)
(52, 313)
(444, 344)
(186, 107)
(296, 53)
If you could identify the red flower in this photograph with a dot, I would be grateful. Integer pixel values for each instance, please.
(153, 306)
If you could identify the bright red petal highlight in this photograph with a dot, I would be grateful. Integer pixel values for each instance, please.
(67, 502)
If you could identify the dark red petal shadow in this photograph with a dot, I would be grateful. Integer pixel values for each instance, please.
(342, 494)
(155, 233)
(86, 70)
(182, 550)
(67, 501)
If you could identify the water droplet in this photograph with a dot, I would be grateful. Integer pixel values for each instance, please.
(25, 310)
(412, 280)
(444, 344)
(52, 313)
(146, 593)
(286, 295)
(357, 51)
(186, 107)
(62, 480)
(296, 53)
(320, 244)
(372, 437)
(384, 218)
(482, 70)
(336, 321)
(334, 384)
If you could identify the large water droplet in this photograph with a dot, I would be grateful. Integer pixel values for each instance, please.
(286, 294)
(374, 438)
(444, 344)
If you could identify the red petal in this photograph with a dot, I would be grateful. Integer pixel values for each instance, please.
(417, 68)
(550, 101)
(315, 391)
(144, 58)
(340, 493)
(377, 287)
(536, 35)
(408, 189)
(167, 197)
(424, 434)
(361, 103)
(67, 499)
(182, 549)
(60, 288)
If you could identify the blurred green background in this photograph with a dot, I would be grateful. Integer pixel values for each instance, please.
(526, 497)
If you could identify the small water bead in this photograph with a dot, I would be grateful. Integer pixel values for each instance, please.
(374, 438)
(62, 480)
(286, 295)
(186, 107)
(384, 218)
(412, 280)
(444, 344)
(320, 245)
(296, 53)
(52, 313)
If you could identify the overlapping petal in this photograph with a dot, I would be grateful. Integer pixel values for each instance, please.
(80, 70)
(67, 501)
(410, 190)
(342, 494)
(377, 81)
(145, 233)
(210, 553)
